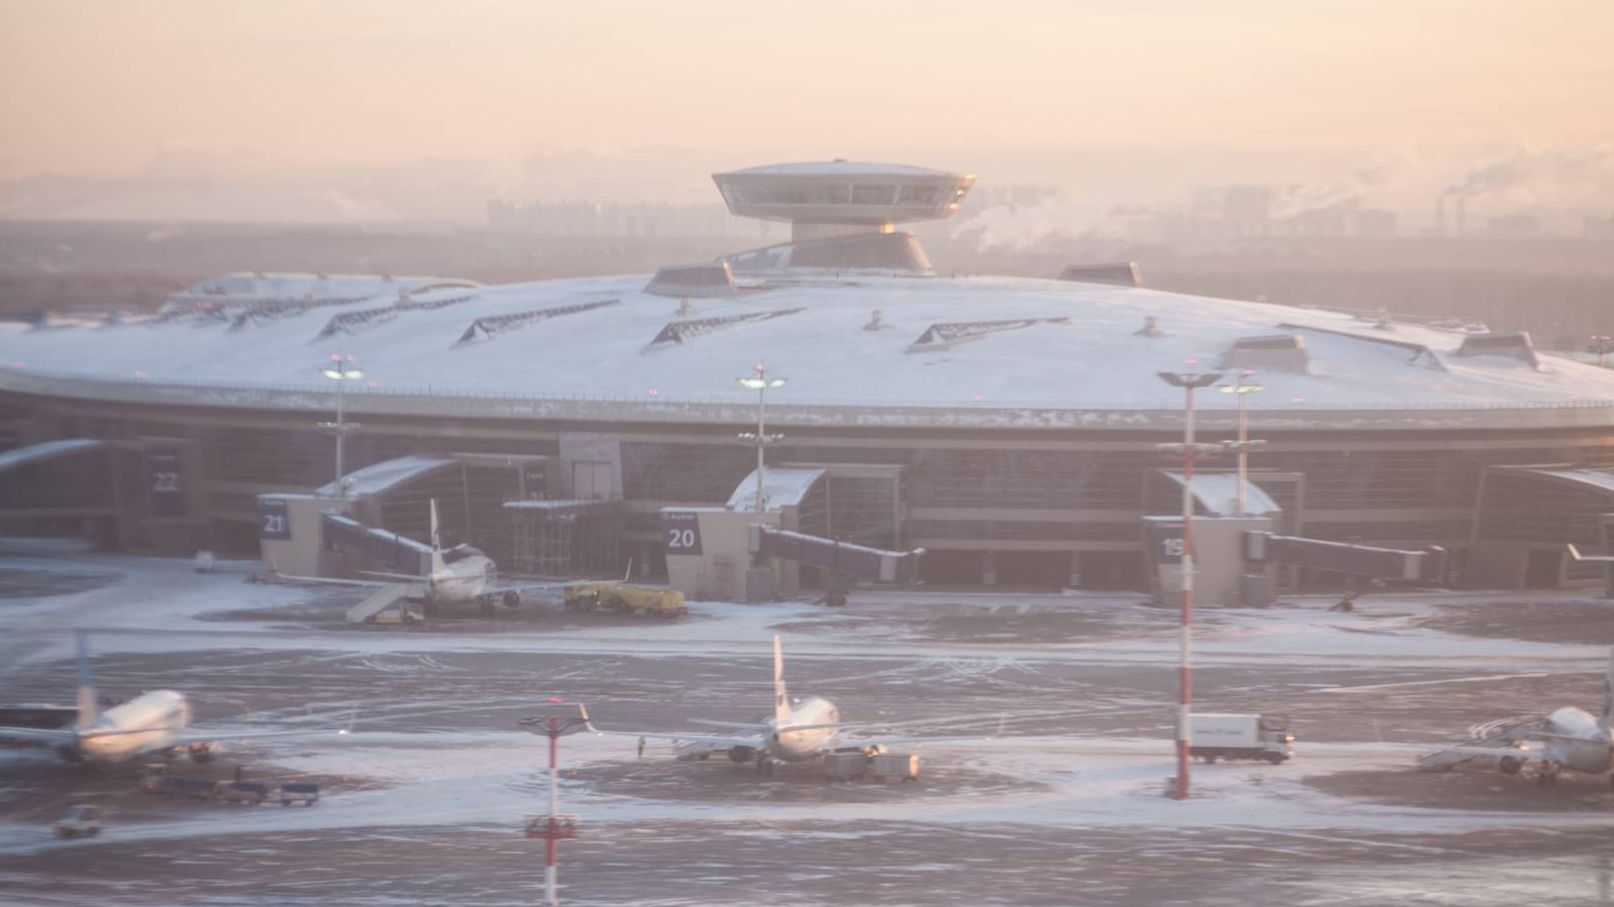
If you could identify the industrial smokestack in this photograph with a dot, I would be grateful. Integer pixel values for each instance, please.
(1462, 214)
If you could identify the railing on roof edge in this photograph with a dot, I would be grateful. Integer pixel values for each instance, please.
(743, 399)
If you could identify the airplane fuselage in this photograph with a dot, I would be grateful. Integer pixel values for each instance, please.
(144, 724)
(460, 582)
(1584, 745)
(809, 743)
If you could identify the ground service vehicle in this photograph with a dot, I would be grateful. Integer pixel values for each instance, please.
(1225, 736)
(80, 822)
(624, 598)
(299, 792)
(249, 792)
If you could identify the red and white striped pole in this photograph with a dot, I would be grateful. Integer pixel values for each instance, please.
(551, 874)
(559, 719)
(1188, 381)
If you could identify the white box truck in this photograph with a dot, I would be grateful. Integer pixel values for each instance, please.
(1215, 736)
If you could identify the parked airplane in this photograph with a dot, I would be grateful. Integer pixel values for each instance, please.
(1567, 739)
(799, 730)
(457, 576)
(154, 722)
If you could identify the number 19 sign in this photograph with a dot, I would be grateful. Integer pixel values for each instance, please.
(681, 532)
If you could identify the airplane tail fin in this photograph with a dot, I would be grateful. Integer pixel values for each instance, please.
(1606, 719)
(438, 565)
(88, 707)
(781, 699)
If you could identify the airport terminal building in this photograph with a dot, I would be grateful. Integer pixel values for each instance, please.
(1009, 426)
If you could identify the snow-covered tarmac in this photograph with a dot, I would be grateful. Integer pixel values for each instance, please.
(1043, 721)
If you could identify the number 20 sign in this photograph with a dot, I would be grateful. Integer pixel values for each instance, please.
(681, 532)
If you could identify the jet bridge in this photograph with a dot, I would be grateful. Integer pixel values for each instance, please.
(1234, 557)
(1427, 565)
(845, 564)
(395, 553)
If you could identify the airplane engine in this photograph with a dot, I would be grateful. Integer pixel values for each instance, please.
(742, 754)
(511, 598)
(200, 752)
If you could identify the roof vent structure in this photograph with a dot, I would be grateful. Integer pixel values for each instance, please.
(945, 336)
(1512, 346)
(486, 327)
(1114, 273)
(701, 279)
(678, 333)
(1269, 352)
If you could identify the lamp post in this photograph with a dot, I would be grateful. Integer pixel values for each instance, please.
(761, 383)
(341, 370)
(1240, 389)
(1189, 382)
(556, 721)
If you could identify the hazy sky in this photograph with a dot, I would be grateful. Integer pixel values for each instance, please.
(121, 87)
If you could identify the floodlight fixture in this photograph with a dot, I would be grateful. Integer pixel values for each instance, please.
(1240, 389)
(1190, 380)
(761, 383)
(341, 370)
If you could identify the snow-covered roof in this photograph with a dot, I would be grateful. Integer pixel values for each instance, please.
(34, 453)
(782, 486)
(1218, 493)
(1080, 350)
(258, 287)
(382, 476)
(1600, 479)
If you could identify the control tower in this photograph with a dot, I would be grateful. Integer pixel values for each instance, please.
(840, 197)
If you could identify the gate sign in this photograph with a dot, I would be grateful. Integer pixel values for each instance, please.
(164, 483)
(1164, 540)
(272, 521)
(681, 532)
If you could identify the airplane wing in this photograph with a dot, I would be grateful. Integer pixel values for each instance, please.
(1491, 755)
(384, 578)
(695, 745)
(756, 726)
(1526, 736)
(332, 581)
(38, 735)
(534, 586)
(199, 736)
